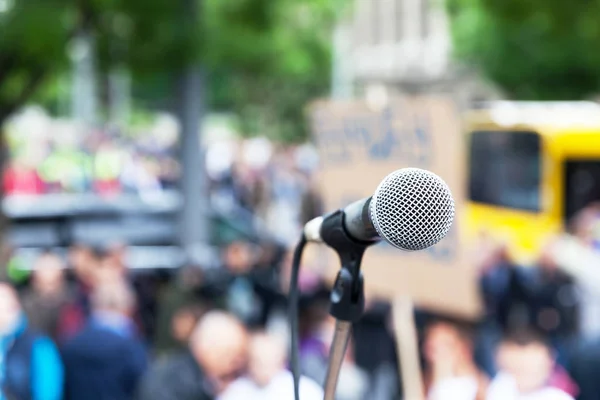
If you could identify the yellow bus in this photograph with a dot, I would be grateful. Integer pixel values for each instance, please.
(531, 167)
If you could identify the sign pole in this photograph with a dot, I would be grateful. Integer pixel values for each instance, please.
(407, 344)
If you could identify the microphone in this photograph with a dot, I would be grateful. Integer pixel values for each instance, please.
(412, 209)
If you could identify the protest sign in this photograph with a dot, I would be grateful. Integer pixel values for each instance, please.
(358, 147)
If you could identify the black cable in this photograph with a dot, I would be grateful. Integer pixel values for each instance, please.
(294, 299)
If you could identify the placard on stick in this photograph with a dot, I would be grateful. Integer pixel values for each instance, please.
(358, 147)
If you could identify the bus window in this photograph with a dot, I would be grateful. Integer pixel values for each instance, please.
(505, 169)
(582, 185)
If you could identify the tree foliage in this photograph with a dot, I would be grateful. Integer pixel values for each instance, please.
(264, 58)
(538, 49)
(284, 69)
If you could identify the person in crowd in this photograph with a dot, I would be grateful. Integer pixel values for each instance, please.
(268, 378)
(266, 275)
(528, 370)
(48, 295)
(240, 296)
(312, 203)
(19, 178)
(285, 192)
(138, 175)
(108, 164)
(66, 168)
(106, 359)
(234, 286)
(375, 349)
(30, 364)
(115, 256)
(577, 255)
(217, 356)
(85, 264)
(555, 307)
(451, 372)
(180, 305)
(144, 286)
(541, 296)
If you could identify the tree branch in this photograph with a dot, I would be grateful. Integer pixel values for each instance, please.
(36, 78)
(8, 61)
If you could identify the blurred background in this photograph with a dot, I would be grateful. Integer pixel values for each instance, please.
(159, 164)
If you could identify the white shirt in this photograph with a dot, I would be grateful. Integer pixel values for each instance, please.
(582, 263)
(281, 387)
(460, 388)
(504, 387)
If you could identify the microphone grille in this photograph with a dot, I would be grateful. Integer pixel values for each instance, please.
(412, 209)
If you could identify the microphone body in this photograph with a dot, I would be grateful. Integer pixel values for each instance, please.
(357, 224)
(412, 209)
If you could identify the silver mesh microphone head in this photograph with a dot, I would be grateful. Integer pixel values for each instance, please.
(412, 209)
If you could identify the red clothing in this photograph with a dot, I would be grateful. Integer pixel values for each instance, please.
(107, 187)
(75, 315)
(22, 181)
(71, 321)
(560, 379)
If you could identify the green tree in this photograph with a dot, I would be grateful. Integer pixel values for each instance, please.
(265, 58)
(285, 67)
(534, 50)
(31, 48)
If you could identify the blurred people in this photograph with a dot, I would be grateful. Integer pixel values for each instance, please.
(180, 305)
(30, 365)
(314, 336)
(137, 176)
(451, 372)
(69, 158)
(555, 308)
(45, 300)
(115, 259)
(375, 349)
(577, 255)
(21, 179)
(109, 161)
(217, 356)
(106, 359)
(268, 378)
(527, 370)
(312, 204)
(286, 190)
(85, 263)
(65, 168)
(541, 295)
(235, 284)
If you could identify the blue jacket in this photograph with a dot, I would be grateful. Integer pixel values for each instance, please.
(30, 366)
(104, 361)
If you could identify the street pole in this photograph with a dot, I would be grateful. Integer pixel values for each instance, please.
(194, 215)
(84, 95)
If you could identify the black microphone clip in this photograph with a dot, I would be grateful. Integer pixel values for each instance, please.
(347, 295)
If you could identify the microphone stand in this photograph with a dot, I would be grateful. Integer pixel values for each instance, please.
(347, 296)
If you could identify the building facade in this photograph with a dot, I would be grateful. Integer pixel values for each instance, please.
(400, 45)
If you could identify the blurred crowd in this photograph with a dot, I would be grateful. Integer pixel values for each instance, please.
(55, 156)
(540, 335)
(274, 183)
(87, 326)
